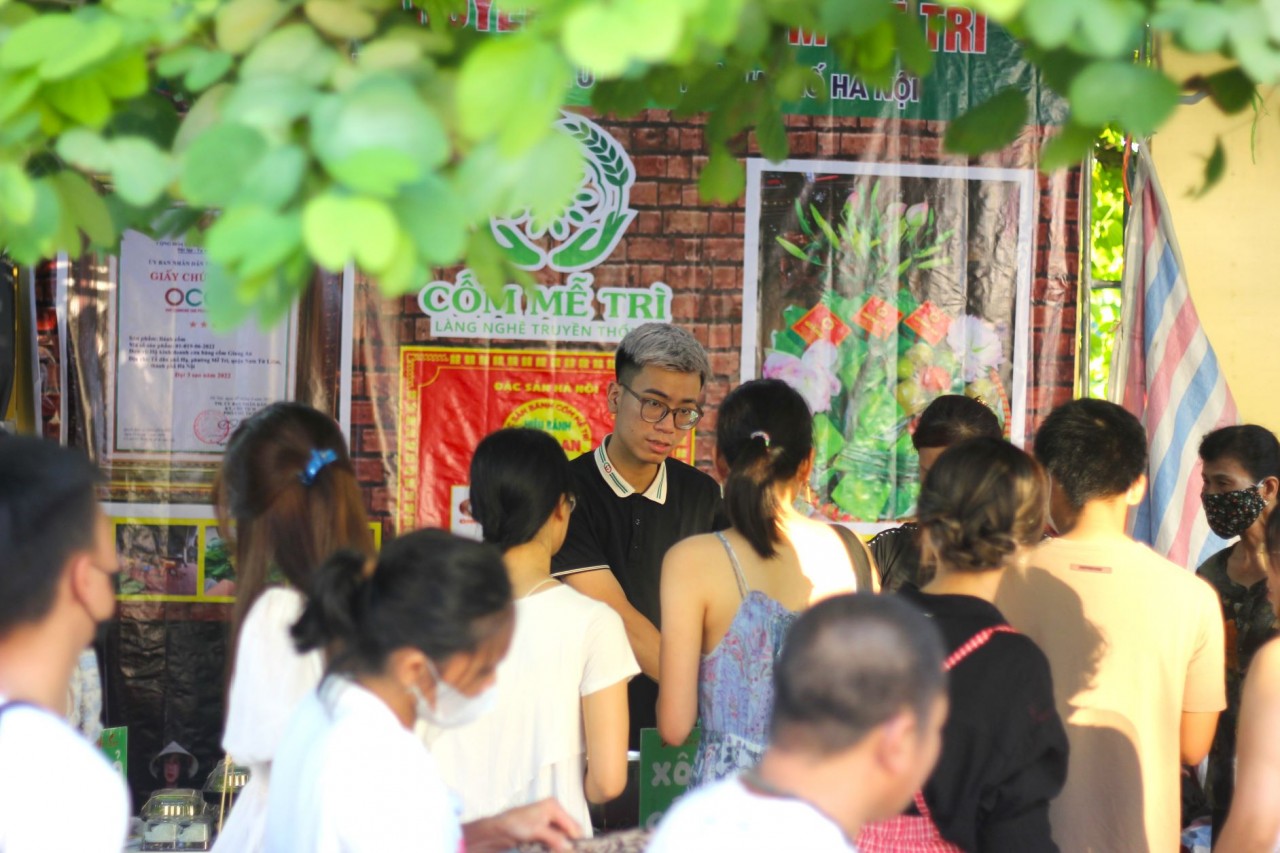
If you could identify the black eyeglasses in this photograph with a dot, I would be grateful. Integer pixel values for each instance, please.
(653, 411)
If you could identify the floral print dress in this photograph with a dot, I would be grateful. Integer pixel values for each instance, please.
(735, 683)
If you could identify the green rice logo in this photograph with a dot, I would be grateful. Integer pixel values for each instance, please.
(587, 231)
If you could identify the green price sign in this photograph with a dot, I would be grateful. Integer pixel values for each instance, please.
(115, 745)
(664, 773)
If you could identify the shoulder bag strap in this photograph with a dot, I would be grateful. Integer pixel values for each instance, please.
(858, 557)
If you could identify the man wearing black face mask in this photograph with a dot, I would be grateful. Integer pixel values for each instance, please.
(1241, 477)
(57, 561)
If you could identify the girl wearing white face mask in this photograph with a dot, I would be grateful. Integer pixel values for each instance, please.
(417, 638)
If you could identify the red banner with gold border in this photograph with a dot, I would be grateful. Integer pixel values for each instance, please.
(452, 397)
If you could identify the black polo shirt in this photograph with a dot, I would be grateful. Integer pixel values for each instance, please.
(615, 528)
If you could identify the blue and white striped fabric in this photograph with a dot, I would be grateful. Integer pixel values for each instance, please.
(1164, 371)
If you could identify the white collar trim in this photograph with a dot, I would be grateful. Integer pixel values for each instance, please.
(657, 491)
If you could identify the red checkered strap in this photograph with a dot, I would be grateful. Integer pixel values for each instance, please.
(918, 833)
(974, 643)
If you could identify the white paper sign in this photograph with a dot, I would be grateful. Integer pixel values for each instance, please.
(181, 389)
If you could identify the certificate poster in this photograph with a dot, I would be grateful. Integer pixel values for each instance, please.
(180, 388)
(451, 398)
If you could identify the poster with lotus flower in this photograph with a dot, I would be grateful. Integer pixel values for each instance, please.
(876, 288)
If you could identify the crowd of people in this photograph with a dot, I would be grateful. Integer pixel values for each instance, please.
(1009, 672)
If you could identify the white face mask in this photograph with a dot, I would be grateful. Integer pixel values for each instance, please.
(453, 708)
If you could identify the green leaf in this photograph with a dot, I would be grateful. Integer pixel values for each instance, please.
(179, 61)
(341, 18)
(990, 125)
(1050, 23)
(17, 195)
(16, 94)
(83, 205)
(253, 240)
(435, 219)
(1231, 90)
(204, 113)
(85, 149)
(771, 134)
(519, 116)
(852, 17)
(270, 104)
(141, 170)
(43, 37)
(80, 99)
(876, 52)
(207, 70)
(239, 24)
(376, 171)
(30, 242)
(125, 76)
(94, 42)
(552, 171)
(222, 306)
(339, 228)
(607, 38)
(1069, 147)
(216, 163)
(1252, 45)
(381, 114)
(999, 10)
(723, 178)
(1214, 166)
(1113, 28)
(913, 46)
(1137, 98)
(275, 180)
(1201, 27)
(292, 51)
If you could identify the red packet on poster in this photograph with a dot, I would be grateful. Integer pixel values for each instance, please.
(820, 323)
(929, 322)
(878, 317)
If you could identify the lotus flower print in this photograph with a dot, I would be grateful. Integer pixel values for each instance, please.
(976, 345)
(811, 374)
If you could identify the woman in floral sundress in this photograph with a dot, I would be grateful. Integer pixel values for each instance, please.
(728, 598)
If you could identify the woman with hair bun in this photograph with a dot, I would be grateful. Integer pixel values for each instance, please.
(1004, 750)
(286, 498)
(728, 598)
(417, 639)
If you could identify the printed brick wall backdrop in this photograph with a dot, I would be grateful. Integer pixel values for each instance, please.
(697, 249)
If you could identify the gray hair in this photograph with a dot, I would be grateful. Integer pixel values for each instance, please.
(661, 345)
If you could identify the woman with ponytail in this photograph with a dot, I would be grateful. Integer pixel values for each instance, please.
(286, 498)
(559, 724)
(983, 506)
(728, 598)
(416, 640)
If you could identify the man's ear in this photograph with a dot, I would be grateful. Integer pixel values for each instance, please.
(83, 583)
(612, 393)
(894, 740)
(1136, 491)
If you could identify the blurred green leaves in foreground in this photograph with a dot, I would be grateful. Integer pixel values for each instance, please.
(325, 132)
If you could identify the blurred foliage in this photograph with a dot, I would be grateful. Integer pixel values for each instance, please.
(334, 131)
(1106, 251)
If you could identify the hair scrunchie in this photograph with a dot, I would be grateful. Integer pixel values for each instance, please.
(319, 459)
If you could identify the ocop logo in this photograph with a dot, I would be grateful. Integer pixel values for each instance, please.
(583, 236)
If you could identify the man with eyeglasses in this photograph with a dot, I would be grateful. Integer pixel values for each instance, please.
(634, 502)
(57, 566)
